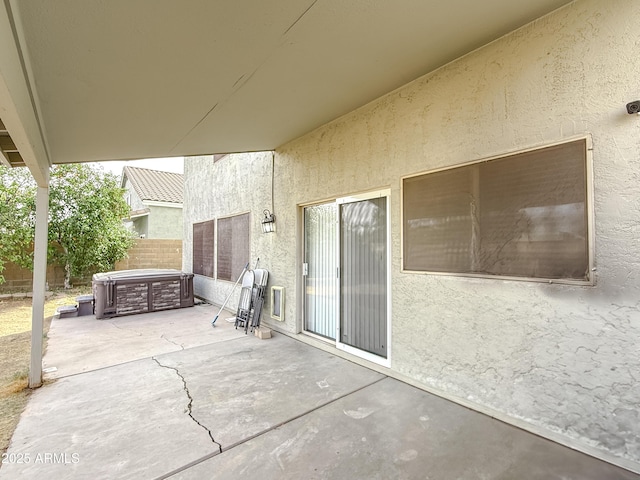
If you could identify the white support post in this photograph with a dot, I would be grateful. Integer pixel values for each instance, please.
(39, 285)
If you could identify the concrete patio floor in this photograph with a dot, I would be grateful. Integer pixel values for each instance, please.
(164, 395)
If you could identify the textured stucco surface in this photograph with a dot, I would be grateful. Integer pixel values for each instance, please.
(165, 222)
(564, 359)
(161, 222)
(135, 202)
(239, 184)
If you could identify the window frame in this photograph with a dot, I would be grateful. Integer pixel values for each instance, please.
(590, 234)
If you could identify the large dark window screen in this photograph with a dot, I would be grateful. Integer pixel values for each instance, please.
(522, 215)
(203, 235)
(233, 246)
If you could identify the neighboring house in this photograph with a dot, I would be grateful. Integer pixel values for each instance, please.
(475, 233)
(155, 199)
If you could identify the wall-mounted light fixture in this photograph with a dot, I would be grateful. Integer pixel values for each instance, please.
(268, 222)
(633, 107)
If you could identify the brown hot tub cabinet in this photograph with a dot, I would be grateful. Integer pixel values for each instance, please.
(128, 292)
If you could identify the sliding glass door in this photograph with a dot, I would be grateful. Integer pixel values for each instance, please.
(346, 273)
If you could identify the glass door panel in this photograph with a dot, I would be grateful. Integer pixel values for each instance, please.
(320, 269)
(364, 275)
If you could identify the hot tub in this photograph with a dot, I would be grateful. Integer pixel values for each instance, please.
(128, 292)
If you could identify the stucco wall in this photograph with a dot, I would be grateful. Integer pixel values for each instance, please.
(564, 359)
(134, 200)
(236, 184)
(164, 222)
(141, 226)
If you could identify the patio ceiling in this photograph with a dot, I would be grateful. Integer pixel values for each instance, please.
(95, 80)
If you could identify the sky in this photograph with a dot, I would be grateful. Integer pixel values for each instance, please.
(174, 164)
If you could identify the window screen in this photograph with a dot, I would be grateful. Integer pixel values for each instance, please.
(522, 215)
(233, 246)
(203, 235)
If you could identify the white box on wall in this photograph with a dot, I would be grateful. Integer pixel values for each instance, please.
(277, 303)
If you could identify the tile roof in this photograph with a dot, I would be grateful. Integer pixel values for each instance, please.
(153, 185)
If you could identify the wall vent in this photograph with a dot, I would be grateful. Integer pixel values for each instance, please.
(277, 303)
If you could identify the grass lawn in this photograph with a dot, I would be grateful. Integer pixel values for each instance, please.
(15, 352)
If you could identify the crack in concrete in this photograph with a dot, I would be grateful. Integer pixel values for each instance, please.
(171, 341)
(190, 404)
(266, 430)
(126, 329)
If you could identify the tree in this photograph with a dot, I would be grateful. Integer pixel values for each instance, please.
(17, 217)
(86, 232)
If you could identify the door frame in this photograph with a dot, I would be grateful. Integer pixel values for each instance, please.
(382, 193)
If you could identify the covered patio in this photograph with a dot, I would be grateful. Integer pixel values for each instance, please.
(91, 80)
(164, 395)
(88, 81)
